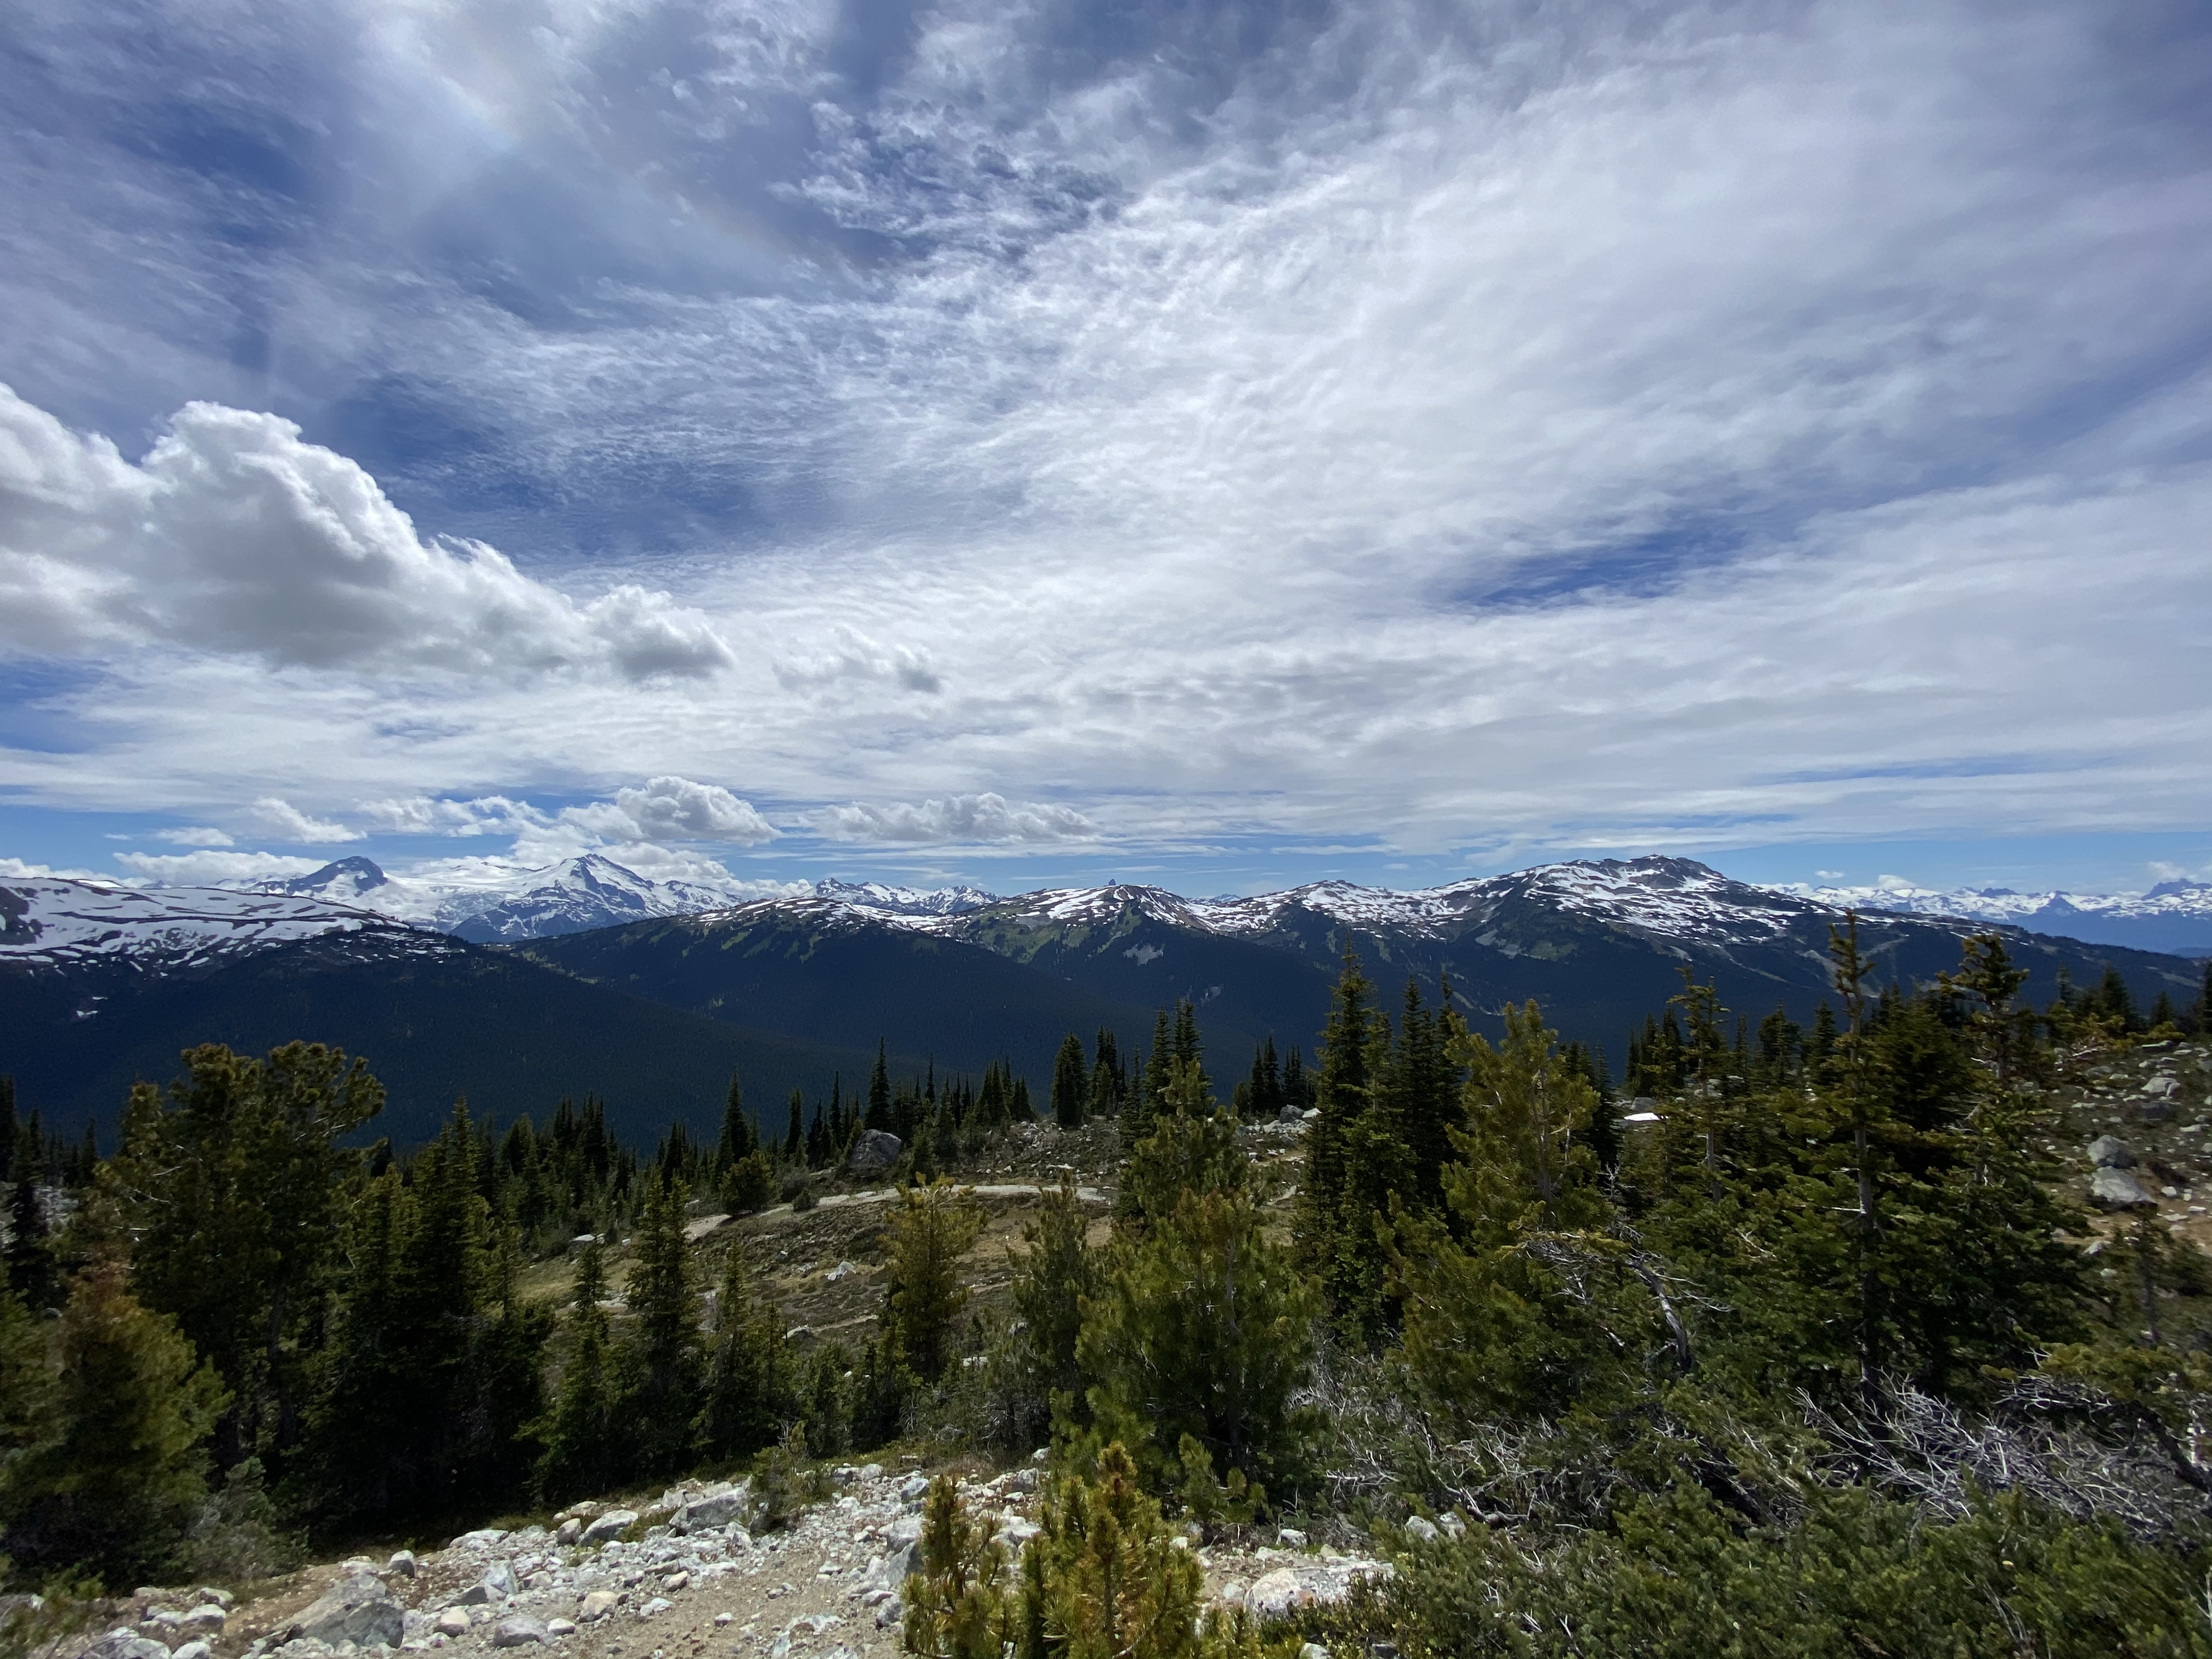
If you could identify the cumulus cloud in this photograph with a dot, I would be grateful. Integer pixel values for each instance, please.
(973, 818)
(14, 869)
(293, 824)
(210, 868)
(426, 815)
(850, 654)
(194, 835)
(673, 809)
(234, 535)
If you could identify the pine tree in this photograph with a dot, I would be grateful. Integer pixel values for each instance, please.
(797, 1144)
(1069, 1086)
(737, 1138)
(1351, 1054)
(1055, 1277)
(30, 1253)
(1105, 1578)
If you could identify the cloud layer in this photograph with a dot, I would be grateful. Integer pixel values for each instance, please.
(1485, 429)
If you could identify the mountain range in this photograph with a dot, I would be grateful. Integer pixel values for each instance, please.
(590, 978)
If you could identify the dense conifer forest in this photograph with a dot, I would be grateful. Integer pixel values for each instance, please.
(1790, 1339)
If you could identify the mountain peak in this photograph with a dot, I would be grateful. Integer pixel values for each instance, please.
(341, 878)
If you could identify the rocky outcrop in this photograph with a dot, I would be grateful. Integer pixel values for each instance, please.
(359, 1610)
(875, 1152)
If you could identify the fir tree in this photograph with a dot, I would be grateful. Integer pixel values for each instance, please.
(879, 1093)
(663, 1367)
(747, 1385)
(1069, 1086)
(932, 1228)
(584, 1442)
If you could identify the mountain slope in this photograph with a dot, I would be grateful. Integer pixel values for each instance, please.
(436, 1019)
(2174, 917)
(818, 968)
(500, 906)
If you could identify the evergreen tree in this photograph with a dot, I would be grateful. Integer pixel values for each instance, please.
(931, 1229)
(796, 1142)
(662, 1360)
(230, 1189)
(125, 1467)
(1337, 1250)
(879, 1093)
(584, 1439)
(30, 1253)
(747, 1385)
(1105, 1578)
(1056, 1278)
(737, 1138)
(1069, 1086)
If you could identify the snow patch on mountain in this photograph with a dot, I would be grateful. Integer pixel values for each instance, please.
(2174, 915)
(61, 923)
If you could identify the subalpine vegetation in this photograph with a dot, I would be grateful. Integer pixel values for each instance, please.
(1800, 1347)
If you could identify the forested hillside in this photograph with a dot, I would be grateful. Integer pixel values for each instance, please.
(1883, 1331)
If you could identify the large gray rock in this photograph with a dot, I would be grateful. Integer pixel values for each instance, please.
(2110, 1152)
(2115, 1189)
(613, 1524)
(717, 1509)
(875, 1152)
(359, 1610)
(126, 1644)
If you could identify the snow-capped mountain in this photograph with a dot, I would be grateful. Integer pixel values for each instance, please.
(2174, 917)
(494, 904)
(52, 923)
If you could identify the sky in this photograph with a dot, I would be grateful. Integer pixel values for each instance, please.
(1029, 443)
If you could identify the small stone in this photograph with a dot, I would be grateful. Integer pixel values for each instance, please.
(454, 1621)
(674, 1582)
(206, 1619)
(598, 1605)
(558, 1627)
(725, 1619)
(1313, 1650)
(872, 1471)
(192, 1650)
(914, 1489)
(519, 1631)
(890, 1612)
(221, 1598)
(1421, 1529)
(1453, 1525)
(780, 1648)
(658, 1605)
(1277, 1593)
(401, 1564)
(1289, 1538)
(569, 1531)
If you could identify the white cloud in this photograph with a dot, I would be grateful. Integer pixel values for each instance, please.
(1829, 875)
(424, 815)
(194, 835)
(984, 817)
(235, 535)
(20, 869)
(208, 868)
(850, 654)
(672, 809)
(293, 824)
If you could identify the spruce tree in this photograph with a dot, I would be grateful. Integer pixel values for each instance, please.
(1056, 1278)
(795, 1138)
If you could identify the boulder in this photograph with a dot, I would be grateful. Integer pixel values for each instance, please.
(2110, 1152)
(717, 1509)
(569, 1531)
(192, 1650)
(1274, 1595)
(875, 1152)
(126, 1644)
(221, 1598)
(557, 1627)
(401, 1564)
(519, 1632)
(597, 1606)
(1290, 1115)
(359, 1610)
(454, 1621)
(1421, 1529)
(613, 1524)
(2115, 1189)
(206, 1619)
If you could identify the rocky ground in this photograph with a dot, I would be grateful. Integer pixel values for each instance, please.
(686, 1575)
(2139, 1136)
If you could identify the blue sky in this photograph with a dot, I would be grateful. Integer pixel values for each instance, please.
(1020, 442)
